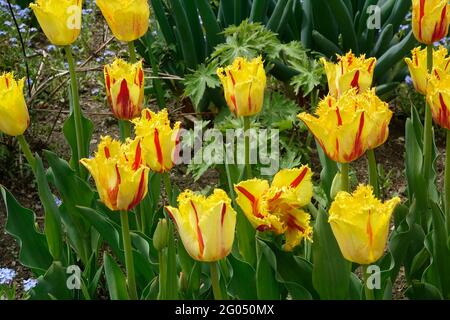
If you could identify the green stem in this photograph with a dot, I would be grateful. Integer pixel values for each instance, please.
(132, 51)
(373, 173)
(248, 167)
(215, 281)
(125, 129)
(368, 292)
(345, 168)
(131, 279)
(27, 152)
(77, 113)
(157, 86)
(447, 182)
(162, 275)
(168, 187)
(428, 131)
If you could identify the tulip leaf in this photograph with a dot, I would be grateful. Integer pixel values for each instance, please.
(69, 131)
(423, 291)
(329, 170)
(331, 272)
(54, 284)
(115, 279)
(53, 227)
(242, 273)
(21, 224)
(267, 286)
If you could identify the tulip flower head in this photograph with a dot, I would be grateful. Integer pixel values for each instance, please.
(59, 19)
(127, 19)
(14, 117)
(159, 140)
(125, 88)
(439, 98)
(244, 83)
(206, 224)
(430, 20)
(279, 207)
(347, 127)
(119, 173)
(350, 72)
(418, 69)
(360, 223)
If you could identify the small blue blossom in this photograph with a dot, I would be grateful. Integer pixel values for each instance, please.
(29, 284)
(8, 23)
(408, 80)
(3, 33)
(95, 91)
(58, 201)
(7, 276)
(33, 29)
(51, 48)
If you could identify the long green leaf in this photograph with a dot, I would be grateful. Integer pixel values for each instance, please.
(344, 20)
(115, 279)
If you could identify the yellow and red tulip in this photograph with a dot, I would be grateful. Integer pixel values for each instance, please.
(14, 117)
(430, 20)
(278, 207)
(125, 88)
(127, 19)
(244, 83)
(59, 19)
(360, 223)
(206, 224)
(350, 72)
(349, 126)
(417, 65)
(159, 140)
(439, 98)
(119, 172)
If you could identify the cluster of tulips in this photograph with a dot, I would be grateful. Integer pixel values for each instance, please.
(349, 122)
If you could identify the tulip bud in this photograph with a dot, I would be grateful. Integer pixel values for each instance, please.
(127, 19)
(336, 186)
(161, 236)
(430, 20)
(14, 118)
(244, 83)
(59, 19)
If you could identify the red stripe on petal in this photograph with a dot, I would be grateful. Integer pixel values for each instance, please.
(123, 100)
(138, 157)
(107, 153)
(421, 15)
(252, 199)
(201, 244)
(140, 193)
(299, 179)
(224, 211)
(171, 216)
(355, 81)
(159, 153)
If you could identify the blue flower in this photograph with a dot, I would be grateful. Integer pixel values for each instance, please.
(8, 23)
(409, 80)
(29, 284)
(58, 201)
(7, 276)
(51, 48)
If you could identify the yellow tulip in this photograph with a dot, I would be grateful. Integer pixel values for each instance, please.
(125, 88)
(59, 19)
(349, 72)
(119, 173)
(417, 65)
(278, 208)
(14, 118)
(206, 224)
(244, 83)
(430, 20)
(360, 223)
(127, 19)
(159, 140)
(439, 98)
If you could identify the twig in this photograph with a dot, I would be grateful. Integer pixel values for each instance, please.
(23, 47)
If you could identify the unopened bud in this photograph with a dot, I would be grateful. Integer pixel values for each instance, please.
(161, 236)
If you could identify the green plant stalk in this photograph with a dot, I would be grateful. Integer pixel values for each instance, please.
(129, 263)
(168, 187)
(248, 167)
(162, 275)
(428, 131)
(27, 152)
(76, 110)
(215, 281)
(373, 173)
(345, 168)
(132, 51)
(447, 182)
(368, 292)
(125, 129)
